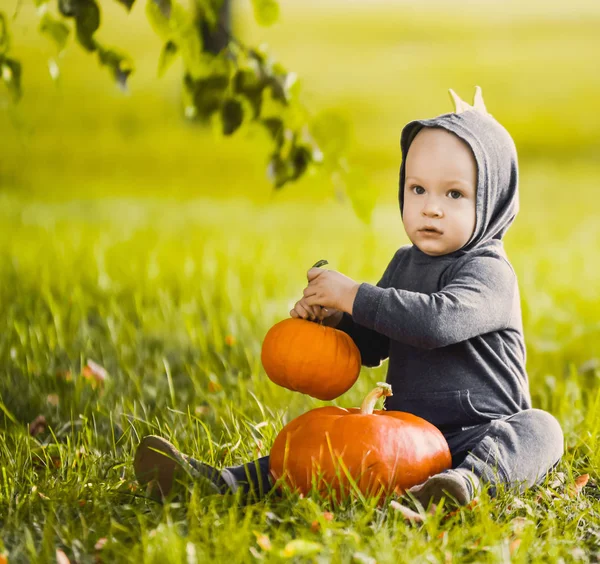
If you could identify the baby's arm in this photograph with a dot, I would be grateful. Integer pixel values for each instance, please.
(373, 345)
(478, 300)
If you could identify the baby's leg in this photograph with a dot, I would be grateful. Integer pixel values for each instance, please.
(252, 477)
(158, 465)
(518, 450)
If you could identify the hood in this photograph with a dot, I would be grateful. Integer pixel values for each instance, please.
(497, 198)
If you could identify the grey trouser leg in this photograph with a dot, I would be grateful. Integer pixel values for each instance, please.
(251, 477)
(518, 450)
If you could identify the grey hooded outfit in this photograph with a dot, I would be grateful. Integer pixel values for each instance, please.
(451, 327)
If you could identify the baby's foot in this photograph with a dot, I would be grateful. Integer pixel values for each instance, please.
(158, 464)
(459, 484)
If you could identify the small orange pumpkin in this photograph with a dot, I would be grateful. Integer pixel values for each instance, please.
(311, 358)
(383, 451)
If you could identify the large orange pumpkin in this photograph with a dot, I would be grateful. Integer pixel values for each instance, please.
(383, 451)
(311, 358)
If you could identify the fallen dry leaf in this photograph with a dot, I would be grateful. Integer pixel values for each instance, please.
(61, 557)
(94, 372)
(65, 375)
(575, 489)
(37, 426)
(53, 399)
(214, 386)
(100, 543)
(514, 546)
(263, 541)
(202, 410)
(407, 513)
(518, 525)
(315, 525)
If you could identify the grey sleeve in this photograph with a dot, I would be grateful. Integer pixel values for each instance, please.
(374, 347)
(478, 300)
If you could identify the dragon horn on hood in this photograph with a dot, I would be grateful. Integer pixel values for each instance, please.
(461, 106)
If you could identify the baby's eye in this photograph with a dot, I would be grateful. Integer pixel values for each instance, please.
(455, 194)
(418, 189)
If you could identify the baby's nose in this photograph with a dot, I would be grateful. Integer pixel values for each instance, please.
(432, 211)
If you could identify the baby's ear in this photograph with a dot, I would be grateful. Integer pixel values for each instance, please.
(461, 106)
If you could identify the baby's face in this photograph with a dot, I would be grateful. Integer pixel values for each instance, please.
(439, 192)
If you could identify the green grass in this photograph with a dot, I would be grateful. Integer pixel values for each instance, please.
(145, 244)
(150, 289)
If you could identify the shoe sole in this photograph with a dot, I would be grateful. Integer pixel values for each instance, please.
(155, 464)
(437, 488)
(158, 464)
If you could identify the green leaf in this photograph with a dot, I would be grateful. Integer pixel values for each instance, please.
(164, 7)
(275, 127)
(250, 84)
(207, 94)
(300, 158)
(158, 21)
(119, 64)
(127, 3)
(87, 21)
(332, 132)
(279, 170)
(232, 115)
(179, 28)
(10, 71)
(189, 43)
(68, 8)
(4, 35)
(167, 56)
(266, 12)
(56, 30)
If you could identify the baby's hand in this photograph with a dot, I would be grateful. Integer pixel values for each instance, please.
(305, 311)
(314, 312)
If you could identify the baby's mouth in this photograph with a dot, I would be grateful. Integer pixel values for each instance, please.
(431, 230)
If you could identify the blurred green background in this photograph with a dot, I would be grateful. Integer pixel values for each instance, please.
(379, 63)
(90, 175)
(120, 188)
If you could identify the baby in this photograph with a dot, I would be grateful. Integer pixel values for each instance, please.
(446, 313)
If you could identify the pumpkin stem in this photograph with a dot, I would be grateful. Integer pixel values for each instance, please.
(319, 264)
(368, 405)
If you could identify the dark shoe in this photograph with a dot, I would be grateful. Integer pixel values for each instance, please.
(460, 486)
(159, 466)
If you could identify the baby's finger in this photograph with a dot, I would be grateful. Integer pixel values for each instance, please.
(309, 291)
(312, 273)
(305, 311)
